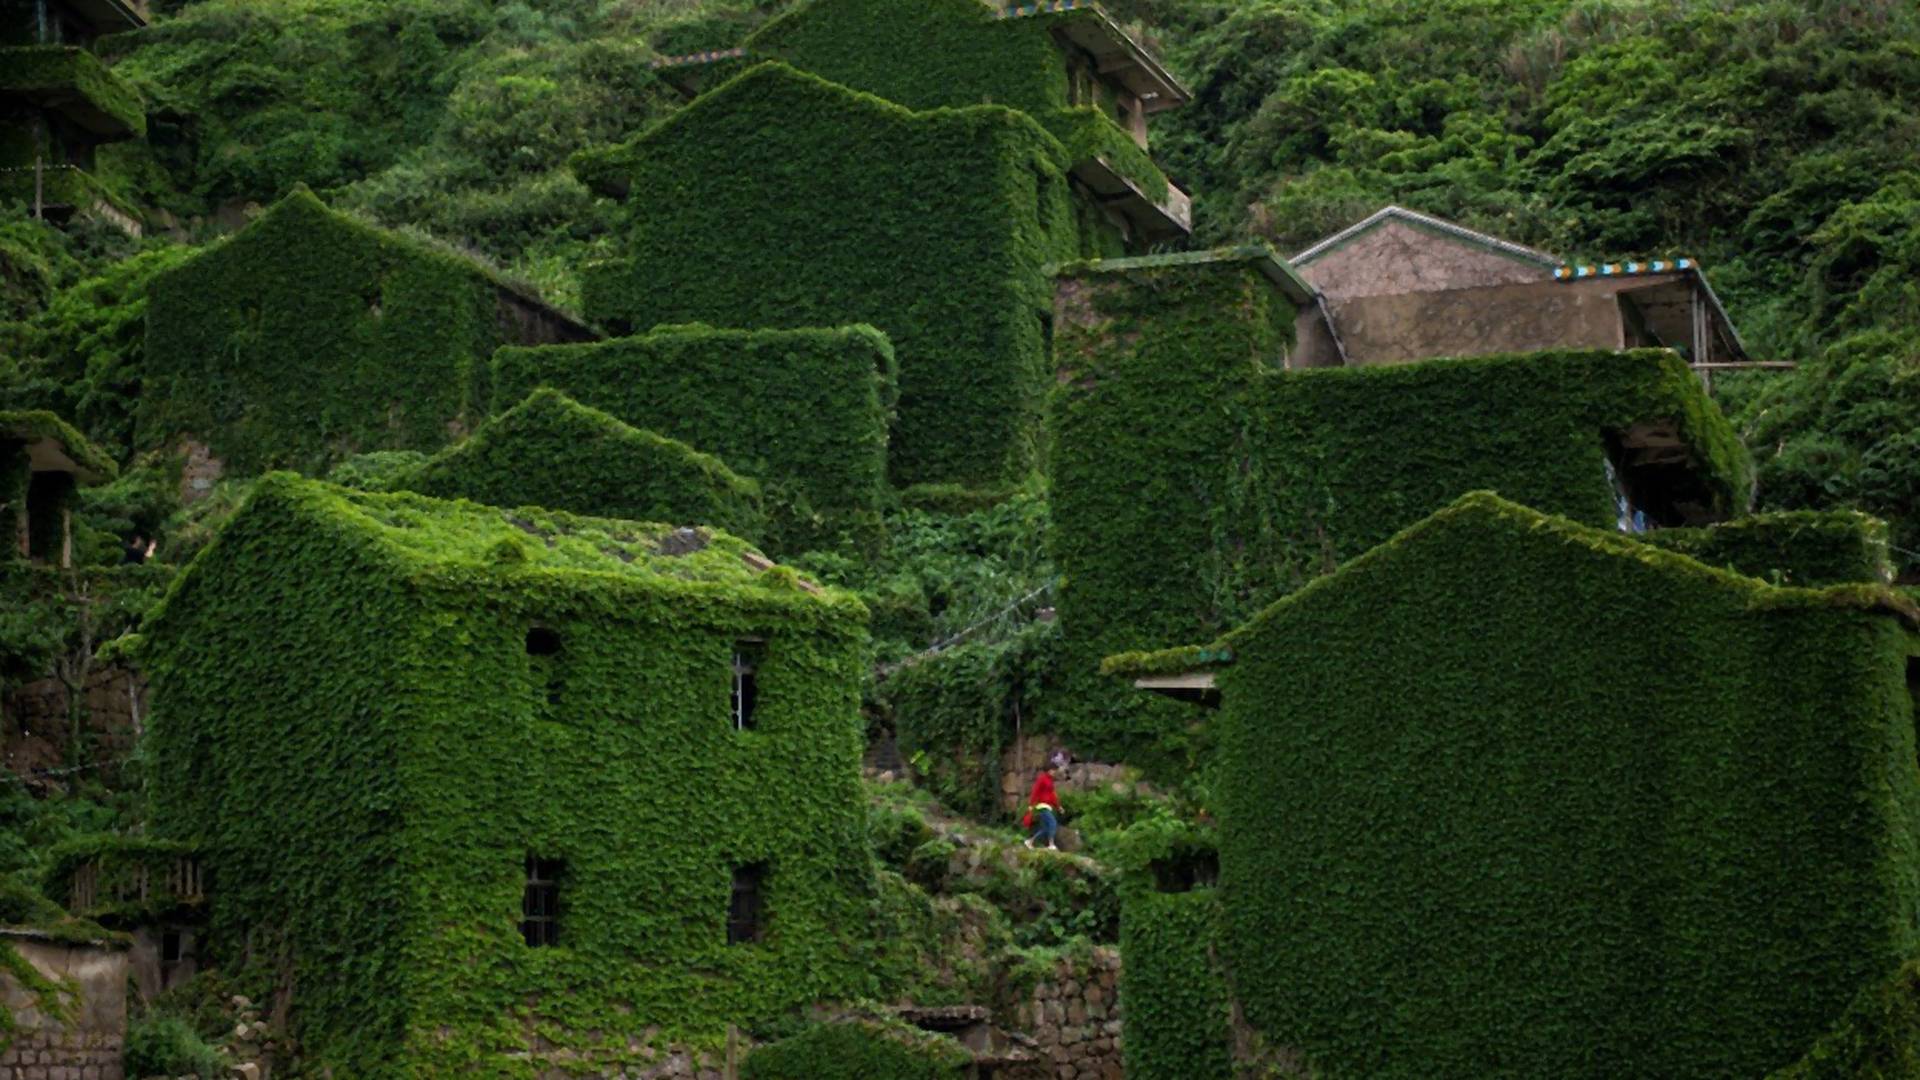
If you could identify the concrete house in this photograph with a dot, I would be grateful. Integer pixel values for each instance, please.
(58, 104)
(1508, 795)
(1402, 286)
(508, 790)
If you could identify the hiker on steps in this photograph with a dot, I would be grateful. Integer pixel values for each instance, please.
(1043, 806)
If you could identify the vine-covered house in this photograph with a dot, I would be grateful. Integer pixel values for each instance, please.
(310, 336)
(43, 463)
(1511, 795)
(59, 104)
(493, 786)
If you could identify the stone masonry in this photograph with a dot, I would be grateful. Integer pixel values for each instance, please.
(1073, 1017)
(84, 1043)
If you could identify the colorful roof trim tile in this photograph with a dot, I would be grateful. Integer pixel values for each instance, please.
(711, 56)
(1623, 269)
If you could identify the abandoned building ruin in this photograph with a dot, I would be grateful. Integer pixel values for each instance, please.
(59, 105)
(536, 757)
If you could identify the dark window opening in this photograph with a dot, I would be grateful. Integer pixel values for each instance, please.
(540, 904)
(746, 910)
(1913, 694)
(1656, 481)
(1186, 872)
(173, 952)
(747, 657)
(1046, 335)
(372, 298)
(543, 649)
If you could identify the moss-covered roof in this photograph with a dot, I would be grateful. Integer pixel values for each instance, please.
(88, 462)
(1483, 509)
(552, 451)
(1259, 256)
(470, 546)
(803, 93)
(303, 206)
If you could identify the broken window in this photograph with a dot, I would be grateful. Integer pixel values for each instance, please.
(173, 953)
(1913, 693)
(1655, 478)
(540, 904)
(746, 910)
(747, 656)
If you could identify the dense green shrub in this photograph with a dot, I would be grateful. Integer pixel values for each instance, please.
(782, 200)
(551, 451)
(310, 336)
(1509, 795)
(1193, 481)
(858, 1050)
(1802, 548)
(801, 411)
(955, 711)
(369, 710)
(159, 1045)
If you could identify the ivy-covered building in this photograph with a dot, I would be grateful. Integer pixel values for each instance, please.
(1065, 63)
(551, 451)
(1402, 286)
(911, 164)
(59, 104)
(804, 413)
(1195, 476)
(43, 462)
(507, 789)
(310, 336)
(1510, 795)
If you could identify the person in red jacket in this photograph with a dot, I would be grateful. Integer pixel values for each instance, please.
(1043, 805)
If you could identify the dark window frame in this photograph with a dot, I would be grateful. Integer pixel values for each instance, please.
(747, 904)
(743, 682)
(540, 907)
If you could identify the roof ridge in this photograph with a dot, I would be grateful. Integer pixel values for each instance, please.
(1394, 210)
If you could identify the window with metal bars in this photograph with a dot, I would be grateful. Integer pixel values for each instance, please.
(747, 657)
(540, 904)
(746, 911)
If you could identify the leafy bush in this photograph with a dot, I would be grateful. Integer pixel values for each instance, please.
(859, 1050)
(160, 1045)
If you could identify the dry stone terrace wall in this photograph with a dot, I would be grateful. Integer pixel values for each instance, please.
(1073, 1015)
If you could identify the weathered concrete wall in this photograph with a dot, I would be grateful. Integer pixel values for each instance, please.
(1396, 257)
(1479, 322)
(86, 1043)
(1073, 1016)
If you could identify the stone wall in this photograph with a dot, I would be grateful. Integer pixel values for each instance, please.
(1022, 759)
(85, 1042)
(35, 731)
(1073, 1017)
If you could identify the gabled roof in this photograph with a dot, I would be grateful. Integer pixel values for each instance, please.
(805, 94)
(304, 210)
(1430, 224)
(1484, 510)
(53, 445)
(466, 545)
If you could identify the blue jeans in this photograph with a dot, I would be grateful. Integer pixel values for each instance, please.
(1043, 825)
